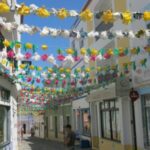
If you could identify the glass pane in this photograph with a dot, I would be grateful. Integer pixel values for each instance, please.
(106, 104)
(115, 125)
(117, 104)
(3, 124)
(2, 114)
(148, 125)
(106, 124)
(112, 104)
(147, 102)
(102, 105)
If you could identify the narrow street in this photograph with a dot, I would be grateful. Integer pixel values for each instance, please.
(29, 143)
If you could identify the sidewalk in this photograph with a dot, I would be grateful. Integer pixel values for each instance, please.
(29, 143)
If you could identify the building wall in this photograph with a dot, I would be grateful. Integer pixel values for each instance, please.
(27, 120)
(11, 17)
(79, 106)
(140, 80)
(39, 126)
(98, 141)
(13, 110)
(63, 112)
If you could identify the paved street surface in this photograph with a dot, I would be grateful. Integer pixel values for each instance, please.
(29, 143)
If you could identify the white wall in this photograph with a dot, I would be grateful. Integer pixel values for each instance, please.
(39, 122)
(13, 110)
(80, 103)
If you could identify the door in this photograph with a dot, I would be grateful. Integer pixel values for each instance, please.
(24, 128)
(46, 128)
(68, 119)
(56, 127)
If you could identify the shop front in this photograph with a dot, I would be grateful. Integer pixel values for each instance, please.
(141, 82)
(111, 117)
(82, 119)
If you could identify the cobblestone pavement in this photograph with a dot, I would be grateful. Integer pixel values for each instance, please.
(29, 143)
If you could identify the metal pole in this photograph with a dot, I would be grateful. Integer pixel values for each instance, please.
(134, 125)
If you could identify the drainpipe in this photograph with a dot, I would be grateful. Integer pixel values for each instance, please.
(134, 125)
(134, 96)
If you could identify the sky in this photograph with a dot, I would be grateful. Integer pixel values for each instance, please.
(54, 22)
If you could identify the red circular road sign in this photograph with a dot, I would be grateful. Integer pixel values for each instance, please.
(134, 95)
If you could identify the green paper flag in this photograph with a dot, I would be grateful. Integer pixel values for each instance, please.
(143, 62)
(59, 51)
(126, 51)
(102, 51)
(138, 50)
(89, 51)
(34, 48)
(134, 65)
(116, 52)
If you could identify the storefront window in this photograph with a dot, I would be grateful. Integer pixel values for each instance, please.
(4, 125)
(146, 119)
(110, 120)
(86, 122)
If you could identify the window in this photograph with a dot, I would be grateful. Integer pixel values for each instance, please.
(146, 119)
(68, 119)
(110, 120)
(4, 125)
(86, 122)
(4, 94)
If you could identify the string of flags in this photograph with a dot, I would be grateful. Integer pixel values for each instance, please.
(86, 15)
(47, 31)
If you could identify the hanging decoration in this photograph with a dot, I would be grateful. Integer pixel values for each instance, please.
(61, 82)
(86, 15)
(23, 28)
(4, 8)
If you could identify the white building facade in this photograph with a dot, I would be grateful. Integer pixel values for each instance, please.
(81, 121)
(141, 80)
(112, 123)
(8, 89)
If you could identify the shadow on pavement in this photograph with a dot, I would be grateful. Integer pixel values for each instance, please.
(42, 144)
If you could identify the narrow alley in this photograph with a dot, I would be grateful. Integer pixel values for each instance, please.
(74, 74)
(29, 143)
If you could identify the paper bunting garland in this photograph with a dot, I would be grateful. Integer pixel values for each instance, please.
(47, 31)
(62, 82)
(107, 16)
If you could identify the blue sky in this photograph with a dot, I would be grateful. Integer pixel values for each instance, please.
(53, 43)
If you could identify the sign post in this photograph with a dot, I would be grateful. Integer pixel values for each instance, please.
(134, 95)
